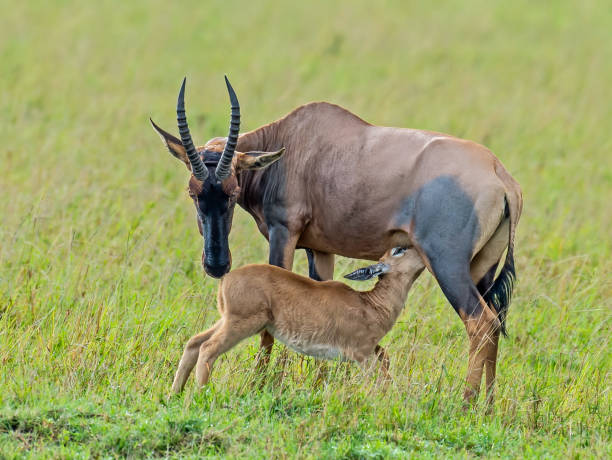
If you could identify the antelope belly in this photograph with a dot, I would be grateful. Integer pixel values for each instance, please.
(305, 347)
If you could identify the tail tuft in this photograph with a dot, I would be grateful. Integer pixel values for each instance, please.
(500, 294)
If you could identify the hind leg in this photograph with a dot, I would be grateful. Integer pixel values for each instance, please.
(225, 337)
(484, 264)
(483, 287)
(491, 367)
(265, 350)
(445, 228)
(190, 357)
(480, 322)
(482, 269)
(483, 332)
(383, 358)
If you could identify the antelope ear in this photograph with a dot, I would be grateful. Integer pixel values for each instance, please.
(174, 145)
(257, 160)
(366, 273)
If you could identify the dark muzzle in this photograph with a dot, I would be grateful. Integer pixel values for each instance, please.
(216, 268)
(216, 271)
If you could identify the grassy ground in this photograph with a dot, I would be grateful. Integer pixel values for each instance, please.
(100, 279)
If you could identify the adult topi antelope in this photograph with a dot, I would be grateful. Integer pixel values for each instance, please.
(325, 180)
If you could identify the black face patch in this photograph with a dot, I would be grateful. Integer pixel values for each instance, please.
(215, 211)
(445, 226)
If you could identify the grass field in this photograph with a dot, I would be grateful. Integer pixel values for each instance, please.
(100, 276)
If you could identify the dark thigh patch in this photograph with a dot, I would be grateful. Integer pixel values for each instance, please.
(443, 223)
(440, 213)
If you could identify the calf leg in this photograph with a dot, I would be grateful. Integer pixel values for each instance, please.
(367, 361)
(265, 350)
(190, 357)
(383, 357)
(225, 337)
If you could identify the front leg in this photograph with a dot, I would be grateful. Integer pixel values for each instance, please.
(282, 250)
(320, 265)
(367, 362)
(282, 246)
(383, 358)
(320, 268)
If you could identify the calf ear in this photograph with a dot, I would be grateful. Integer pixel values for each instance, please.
(371, 271)
(174, 145)
(257, 160)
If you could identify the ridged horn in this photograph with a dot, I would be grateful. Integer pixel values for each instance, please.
(197, 165)
(224, 167)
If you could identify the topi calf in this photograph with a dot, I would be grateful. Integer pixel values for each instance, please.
(324, 319)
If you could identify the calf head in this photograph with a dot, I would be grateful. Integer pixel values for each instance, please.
(214, 185)
(397, 260)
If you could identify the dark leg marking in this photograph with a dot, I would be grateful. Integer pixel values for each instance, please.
(445, 226)
(312, 269)
(279, 235)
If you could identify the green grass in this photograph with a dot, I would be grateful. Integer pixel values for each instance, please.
(100, 277)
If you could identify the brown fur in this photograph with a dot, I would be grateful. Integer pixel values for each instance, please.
(328, 314)
(332, 156)
(346, 180)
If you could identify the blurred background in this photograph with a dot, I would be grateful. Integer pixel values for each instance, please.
(98, 239)
(79, 83)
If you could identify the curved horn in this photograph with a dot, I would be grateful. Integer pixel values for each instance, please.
(223, 168)
(197, 165)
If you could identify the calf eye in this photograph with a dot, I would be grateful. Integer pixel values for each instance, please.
(398, 251)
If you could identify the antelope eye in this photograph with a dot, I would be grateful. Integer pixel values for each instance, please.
(398, 251)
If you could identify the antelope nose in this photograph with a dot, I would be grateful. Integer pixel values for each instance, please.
(216, 271)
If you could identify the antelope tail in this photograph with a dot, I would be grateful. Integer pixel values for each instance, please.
(500, 294)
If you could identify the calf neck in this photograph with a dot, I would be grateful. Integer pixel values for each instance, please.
(324, 319)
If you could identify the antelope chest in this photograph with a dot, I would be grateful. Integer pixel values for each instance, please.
(306, 346)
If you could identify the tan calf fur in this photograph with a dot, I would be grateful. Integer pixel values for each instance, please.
(326, 319)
